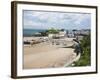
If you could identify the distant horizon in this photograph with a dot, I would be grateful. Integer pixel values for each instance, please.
(59, 20)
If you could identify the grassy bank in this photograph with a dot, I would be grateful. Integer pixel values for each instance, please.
(85, 59)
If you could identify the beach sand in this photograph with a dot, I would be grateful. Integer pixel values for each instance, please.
(46, 55)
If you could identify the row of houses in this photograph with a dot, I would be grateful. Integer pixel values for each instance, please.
(71, 34)
(79, 34)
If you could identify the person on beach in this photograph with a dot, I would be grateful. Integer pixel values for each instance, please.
(77, 47)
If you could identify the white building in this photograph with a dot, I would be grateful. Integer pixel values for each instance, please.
(58, 35)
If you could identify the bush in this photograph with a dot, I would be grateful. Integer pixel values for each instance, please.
(85, 58)
(52, 31)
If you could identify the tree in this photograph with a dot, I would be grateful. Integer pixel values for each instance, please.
(62, 29)
(53, 31)
(44, 33)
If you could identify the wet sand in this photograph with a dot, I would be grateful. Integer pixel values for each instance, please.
(46, 55)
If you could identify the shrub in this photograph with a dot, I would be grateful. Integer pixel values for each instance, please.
(85, 58)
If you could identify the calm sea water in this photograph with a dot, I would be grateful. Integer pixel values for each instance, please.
(30, 32)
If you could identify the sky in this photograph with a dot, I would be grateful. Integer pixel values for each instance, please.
(59, 20)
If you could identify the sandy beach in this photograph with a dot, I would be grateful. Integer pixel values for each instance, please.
(46, 55)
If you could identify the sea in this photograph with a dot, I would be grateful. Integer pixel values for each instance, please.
(31, 32)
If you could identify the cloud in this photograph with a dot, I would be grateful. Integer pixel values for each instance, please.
(38, 19)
